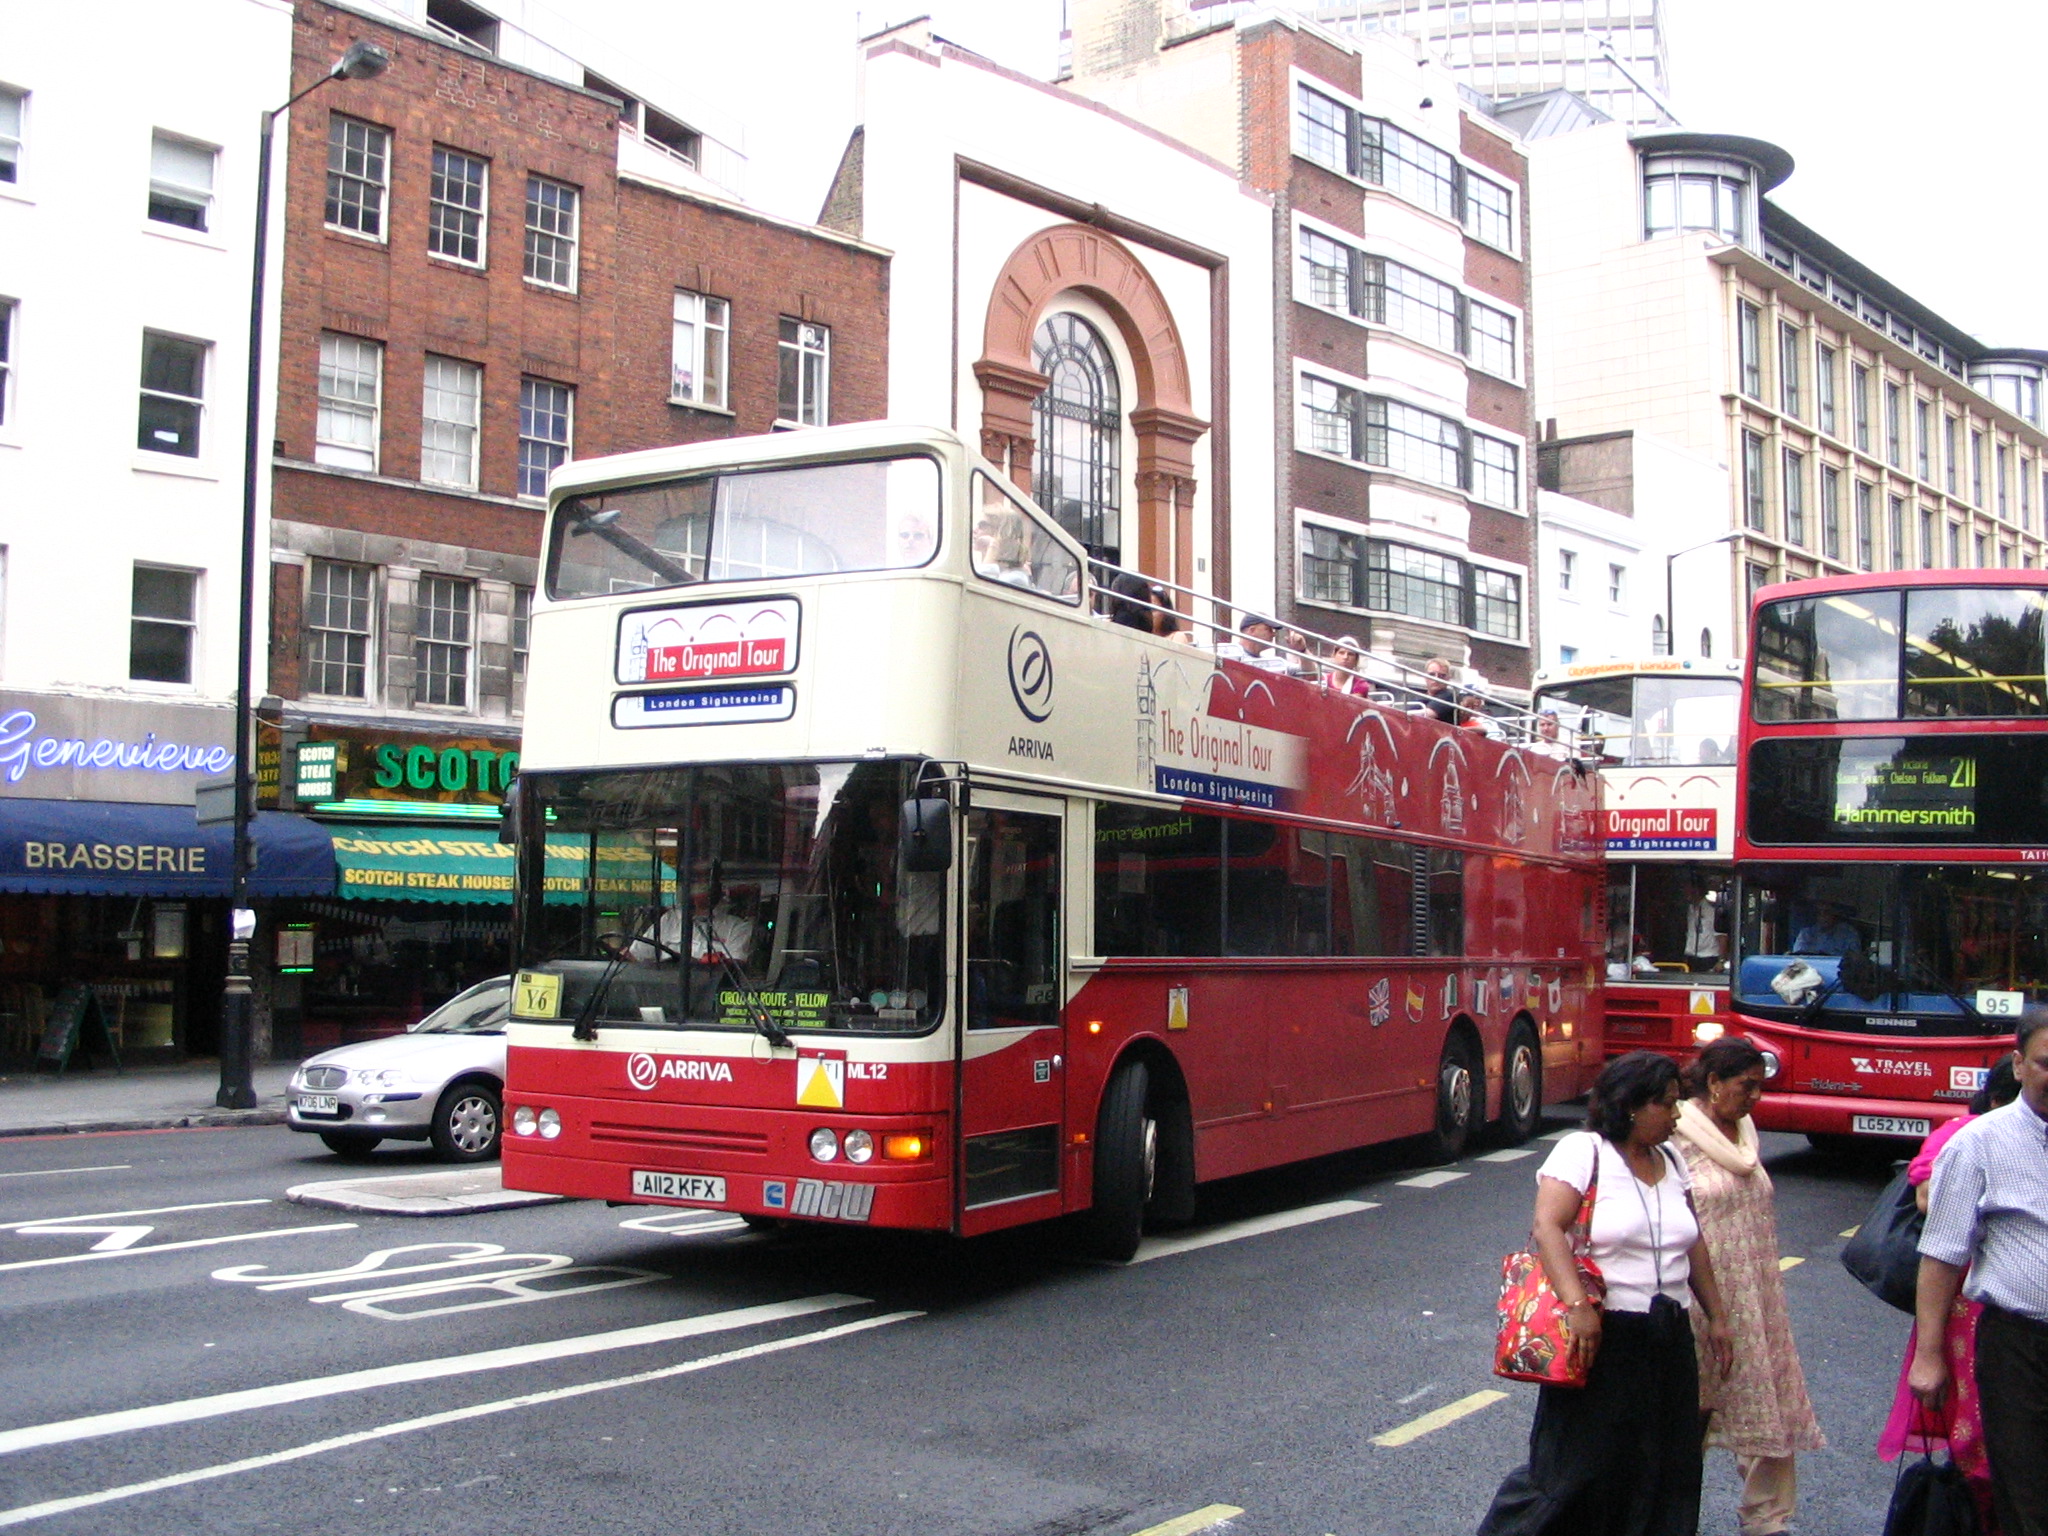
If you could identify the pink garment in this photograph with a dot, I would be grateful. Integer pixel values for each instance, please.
(1921, 1169)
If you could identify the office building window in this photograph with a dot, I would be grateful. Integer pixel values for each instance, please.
(1489, 211)
(173, 394)
(697, 361)
(351, 390)
(1866, 555)
(1660, 642)
(1895, 531)
(1755, 579)
(1754, 496)
(13, 108)
(1923, 440)
(1673, 201)
(1566, 561)
(1824, 388)
(1859, 406)
(1330, 563)
(6, 359)
(1976, 469)
(1496, 471)
(1349, 570)
(1325, 271)
(1372, 288)
(803, 373)
(1417, 582)
(1950, 434)
(1831, 512)
(1981, 545)
(2004, 556)
(546, 422)
(1371, 149)
(1617, 576)
(457, 202)
(522, 625)
(1749, 344)
(163, 625)
(1789, 350)
(550, 233)
(2026, 483)
(1322, 130)
(358, 175)
(1955, 545)
(1390, 434)
(1408, 166)
(443, 620)
(1794, 493)
(451, 411)
(1492, 334)
(2004, 464)
(340, 608)
(1894, 426)
(180, 181)
(1928, 552)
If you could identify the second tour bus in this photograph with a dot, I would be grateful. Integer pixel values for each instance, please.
(868, 876)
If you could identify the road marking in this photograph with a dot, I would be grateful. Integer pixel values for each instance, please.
(1790, 1263)
(1207, 1518)
(155, 1210)
(1256, 1226)
(92, 1426)
(1852, 1231)
(1422, 1391)
(115, 1237)
(504, 1279)
(685, 1223)
(1436, 1178)
(196, 1242)
(27, 1512)
(44, 1173)
(1506, 1155)
(1571, 1130)
(1437, 1418)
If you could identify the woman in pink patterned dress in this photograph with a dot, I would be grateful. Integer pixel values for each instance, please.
(1761, 1411)
(1958, 1423)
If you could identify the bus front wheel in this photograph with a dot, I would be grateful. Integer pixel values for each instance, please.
(1126, 1165)
(1459, 1094)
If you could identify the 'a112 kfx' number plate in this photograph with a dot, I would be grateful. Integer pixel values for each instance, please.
(698, 1188)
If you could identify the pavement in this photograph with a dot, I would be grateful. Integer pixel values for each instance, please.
(453, 1192)
(137, 1099)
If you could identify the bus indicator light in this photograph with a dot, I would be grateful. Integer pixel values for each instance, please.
(906, 1147)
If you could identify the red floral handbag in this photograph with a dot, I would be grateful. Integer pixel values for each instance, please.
(1534, 1342)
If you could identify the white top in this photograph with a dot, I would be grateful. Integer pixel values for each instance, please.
(1627, 1215)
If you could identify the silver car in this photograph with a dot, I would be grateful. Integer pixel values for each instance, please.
(443, 1080)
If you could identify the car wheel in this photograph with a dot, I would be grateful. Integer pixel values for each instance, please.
(468, 1122)
(1521, 1088)
(349, 1144)
(1126, 1165)
(1459, 1096)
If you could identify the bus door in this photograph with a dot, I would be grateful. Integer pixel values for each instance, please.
(1012, 1043)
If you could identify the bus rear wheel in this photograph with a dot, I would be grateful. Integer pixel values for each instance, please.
(1521, 1087)
(1126, 1165)
(1458, 1099)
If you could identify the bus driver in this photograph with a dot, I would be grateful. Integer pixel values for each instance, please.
(1831, 933)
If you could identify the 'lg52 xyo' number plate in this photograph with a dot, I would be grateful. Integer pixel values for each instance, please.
(1889, 1125)
(701, 1189)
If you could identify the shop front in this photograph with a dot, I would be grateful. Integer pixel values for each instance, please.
(106, 878)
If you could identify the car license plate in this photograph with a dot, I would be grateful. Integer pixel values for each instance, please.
(699, 1188)
(318, 1104)
(1889, 1125)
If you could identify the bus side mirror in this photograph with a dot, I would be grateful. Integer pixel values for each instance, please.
(925, 841)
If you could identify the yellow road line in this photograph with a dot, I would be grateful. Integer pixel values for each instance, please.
(1790, 1262)
(1437, 1418)
(1852, 1231)
(1204, 1519)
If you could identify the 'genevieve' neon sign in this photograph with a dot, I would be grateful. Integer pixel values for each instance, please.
(21, 749)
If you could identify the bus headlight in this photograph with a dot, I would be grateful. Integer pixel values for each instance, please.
(824, 1144)
(860, 1146)
(1773, 1063)
(523, 1120)
(550, 1125)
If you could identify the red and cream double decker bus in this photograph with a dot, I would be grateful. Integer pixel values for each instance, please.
(1892, 858)
(1662, 731)
(868, 875)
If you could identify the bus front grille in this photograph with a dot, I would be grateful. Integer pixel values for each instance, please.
(670, 1138)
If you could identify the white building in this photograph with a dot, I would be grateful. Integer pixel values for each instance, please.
(1070, 291)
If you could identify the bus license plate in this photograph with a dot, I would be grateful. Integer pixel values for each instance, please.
(1889, 1125)
(318, 1104)
(697, 1187)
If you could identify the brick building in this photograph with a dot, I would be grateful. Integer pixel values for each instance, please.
(486, 273)
(1401, 342)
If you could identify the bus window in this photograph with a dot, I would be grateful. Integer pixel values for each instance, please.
(1444, 870)
(1013, 547)
(1371, 887)
(1013, 920)
(1828, 658)
(1974, 652)
(1276, 902)
(1669, 922)
(1158, 882)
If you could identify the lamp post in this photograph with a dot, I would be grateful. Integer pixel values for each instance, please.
(360, 61)
(1670, 614)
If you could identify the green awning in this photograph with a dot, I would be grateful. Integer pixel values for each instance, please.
(448, 863)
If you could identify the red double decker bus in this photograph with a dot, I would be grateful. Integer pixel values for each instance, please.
(1892, 850)
(868, 875)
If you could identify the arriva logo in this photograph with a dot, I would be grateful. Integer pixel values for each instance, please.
(643, 1071)
(1885, 1066)
(1031, 674)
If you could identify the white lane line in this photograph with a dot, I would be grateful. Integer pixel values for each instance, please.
(1436, 1178)
(1257, 1226)
(1506, 1155)
(44, 1173)
(1570, 1130)
(196, 1242)
(155, 1210)
(92, 1426)
(27, 1512)
(1416, 1396)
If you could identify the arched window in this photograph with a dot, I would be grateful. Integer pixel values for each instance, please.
(1659, 645)
(1078, 423)
(1706, 642)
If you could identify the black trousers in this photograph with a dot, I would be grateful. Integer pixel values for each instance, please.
(2012, 1394)
(1619, 1456)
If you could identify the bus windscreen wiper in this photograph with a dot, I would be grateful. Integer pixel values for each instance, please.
(586, 1016)
(757, 1014)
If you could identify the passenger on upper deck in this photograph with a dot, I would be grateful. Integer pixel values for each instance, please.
(1343, 675)
(1254, 646)
(1129, 595)
(1547, 741)
(1436, 691)
(1474, 717)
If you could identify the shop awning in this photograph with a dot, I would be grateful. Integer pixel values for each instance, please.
(103, 848)
(469, 864)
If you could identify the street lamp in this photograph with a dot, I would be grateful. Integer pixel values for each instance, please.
(1670, 616)
(360, 61)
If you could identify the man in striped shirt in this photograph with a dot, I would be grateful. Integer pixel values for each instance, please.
(1988, 1215)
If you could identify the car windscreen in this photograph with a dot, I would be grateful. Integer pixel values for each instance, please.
(479, 1011)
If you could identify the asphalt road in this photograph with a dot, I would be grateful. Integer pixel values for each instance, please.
(823, 1381)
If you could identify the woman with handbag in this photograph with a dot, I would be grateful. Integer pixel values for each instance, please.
(1620, 1455)
(1761, 1412)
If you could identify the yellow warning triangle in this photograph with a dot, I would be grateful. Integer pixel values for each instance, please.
(818, 1090)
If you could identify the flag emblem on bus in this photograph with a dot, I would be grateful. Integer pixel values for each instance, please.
(821, 1079)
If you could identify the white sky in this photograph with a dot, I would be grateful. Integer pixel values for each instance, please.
(1907, 120)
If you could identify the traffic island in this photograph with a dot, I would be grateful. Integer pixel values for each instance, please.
(449, 1192)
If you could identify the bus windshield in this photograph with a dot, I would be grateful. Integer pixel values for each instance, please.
(1906, 947)
(733, 895)
(1654, 719)
(808, 520)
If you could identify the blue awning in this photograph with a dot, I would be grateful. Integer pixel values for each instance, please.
(101, 848)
